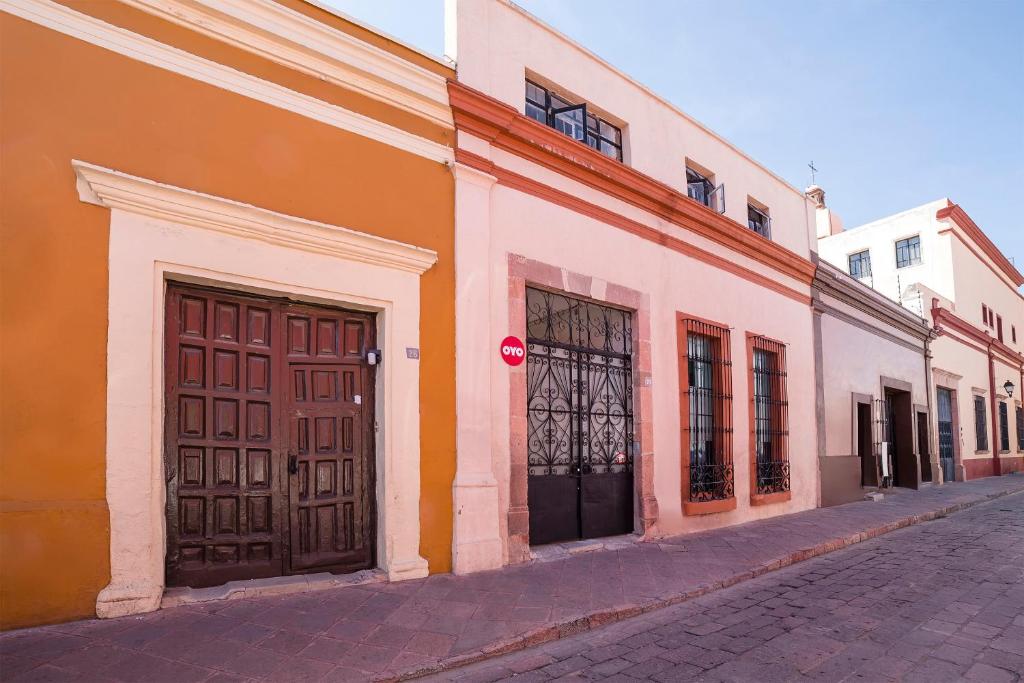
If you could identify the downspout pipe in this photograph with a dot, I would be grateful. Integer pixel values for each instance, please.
(929, 388)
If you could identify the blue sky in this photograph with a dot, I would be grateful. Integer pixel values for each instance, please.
(897, 102)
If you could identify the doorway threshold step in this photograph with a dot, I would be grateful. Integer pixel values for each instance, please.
(277, 585)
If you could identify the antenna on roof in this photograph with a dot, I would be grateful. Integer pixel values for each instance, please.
(813, 171)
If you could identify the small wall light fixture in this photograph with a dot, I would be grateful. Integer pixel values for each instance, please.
(1009, 386)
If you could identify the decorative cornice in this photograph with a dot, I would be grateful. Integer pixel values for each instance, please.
(282, 35)
(65, 20)
(115, 190)
(956, 214)
(945, 318)
(835, 283)
(538, 189)
(505, 128)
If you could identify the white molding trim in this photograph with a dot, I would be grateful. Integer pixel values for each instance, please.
(117, 190)
(282, 35)
(65, 20)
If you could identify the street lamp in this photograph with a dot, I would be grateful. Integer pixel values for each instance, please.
(1009, 388)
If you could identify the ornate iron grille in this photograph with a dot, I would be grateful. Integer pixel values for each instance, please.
(709, 407)
(579, 386)
(771, 416)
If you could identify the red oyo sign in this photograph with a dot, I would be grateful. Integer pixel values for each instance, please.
(512, 351)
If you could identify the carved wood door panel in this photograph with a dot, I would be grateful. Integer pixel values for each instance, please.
(330, 422)
(244, 378)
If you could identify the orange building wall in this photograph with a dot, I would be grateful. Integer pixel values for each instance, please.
(64, 99)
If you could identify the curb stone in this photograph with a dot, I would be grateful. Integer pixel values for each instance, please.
(564, 629)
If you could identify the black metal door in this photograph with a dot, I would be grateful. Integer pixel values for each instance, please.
(580, 418)
(945, 409)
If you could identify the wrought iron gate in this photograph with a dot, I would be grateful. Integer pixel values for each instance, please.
(580, 418)
(945, 410)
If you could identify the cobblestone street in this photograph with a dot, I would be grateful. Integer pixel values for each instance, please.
(941, 601)
(932, 601)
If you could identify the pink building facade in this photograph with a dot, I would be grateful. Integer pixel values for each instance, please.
(660, 281)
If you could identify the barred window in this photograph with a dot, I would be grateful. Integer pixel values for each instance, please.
(549, 108)
(1004, 427)
(1020, 428)
(980, 426)
(908, 252)
(707, 413)
(770, 413)
(860, 264)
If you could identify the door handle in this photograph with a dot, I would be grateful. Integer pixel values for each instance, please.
(293, 464)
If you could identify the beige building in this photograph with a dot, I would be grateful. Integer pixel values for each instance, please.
(937, 262)
(872, 388)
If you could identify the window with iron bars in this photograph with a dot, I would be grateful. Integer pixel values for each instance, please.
(908, 252)
(770, 412)
(980, 424)
(860, 264)
(707, 394)
(1020, 428)
(759, 221)
(1004, 428)
(552, 110)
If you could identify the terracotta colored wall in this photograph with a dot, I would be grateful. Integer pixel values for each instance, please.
(63, 100)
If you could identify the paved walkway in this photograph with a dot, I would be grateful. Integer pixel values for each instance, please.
(938, 602)
(391, 630)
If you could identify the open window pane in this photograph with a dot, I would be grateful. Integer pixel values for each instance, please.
(573, 120)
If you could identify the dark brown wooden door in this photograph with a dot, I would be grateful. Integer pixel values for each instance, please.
(222, 453)
(233, 364)
(330, 434)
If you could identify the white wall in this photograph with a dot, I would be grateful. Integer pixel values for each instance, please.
(880, 237)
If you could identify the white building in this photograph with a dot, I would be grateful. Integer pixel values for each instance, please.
(937, 262)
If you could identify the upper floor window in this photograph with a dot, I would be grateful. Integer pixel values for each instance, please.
(999, 327)
(860, 264)
(701, 187)
(573, 120)
(1013, 333)
(984, 314)
(908, 252)
(759, 221)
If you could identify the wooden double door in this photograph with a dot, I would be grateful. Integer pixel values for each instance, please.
(269, 454)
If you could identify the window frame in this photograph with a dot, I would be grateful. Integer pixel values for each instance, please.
(766, 224)
(1020, 428)
(999, 327)
(777, 415)
(700, 179)
(1004, 427)
(722, 426)
(980, 424)
(910, 246)
(596, 132)
(861, 256)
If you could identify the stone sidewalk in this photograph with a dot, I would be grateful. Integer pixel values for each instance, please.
(388, 631)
